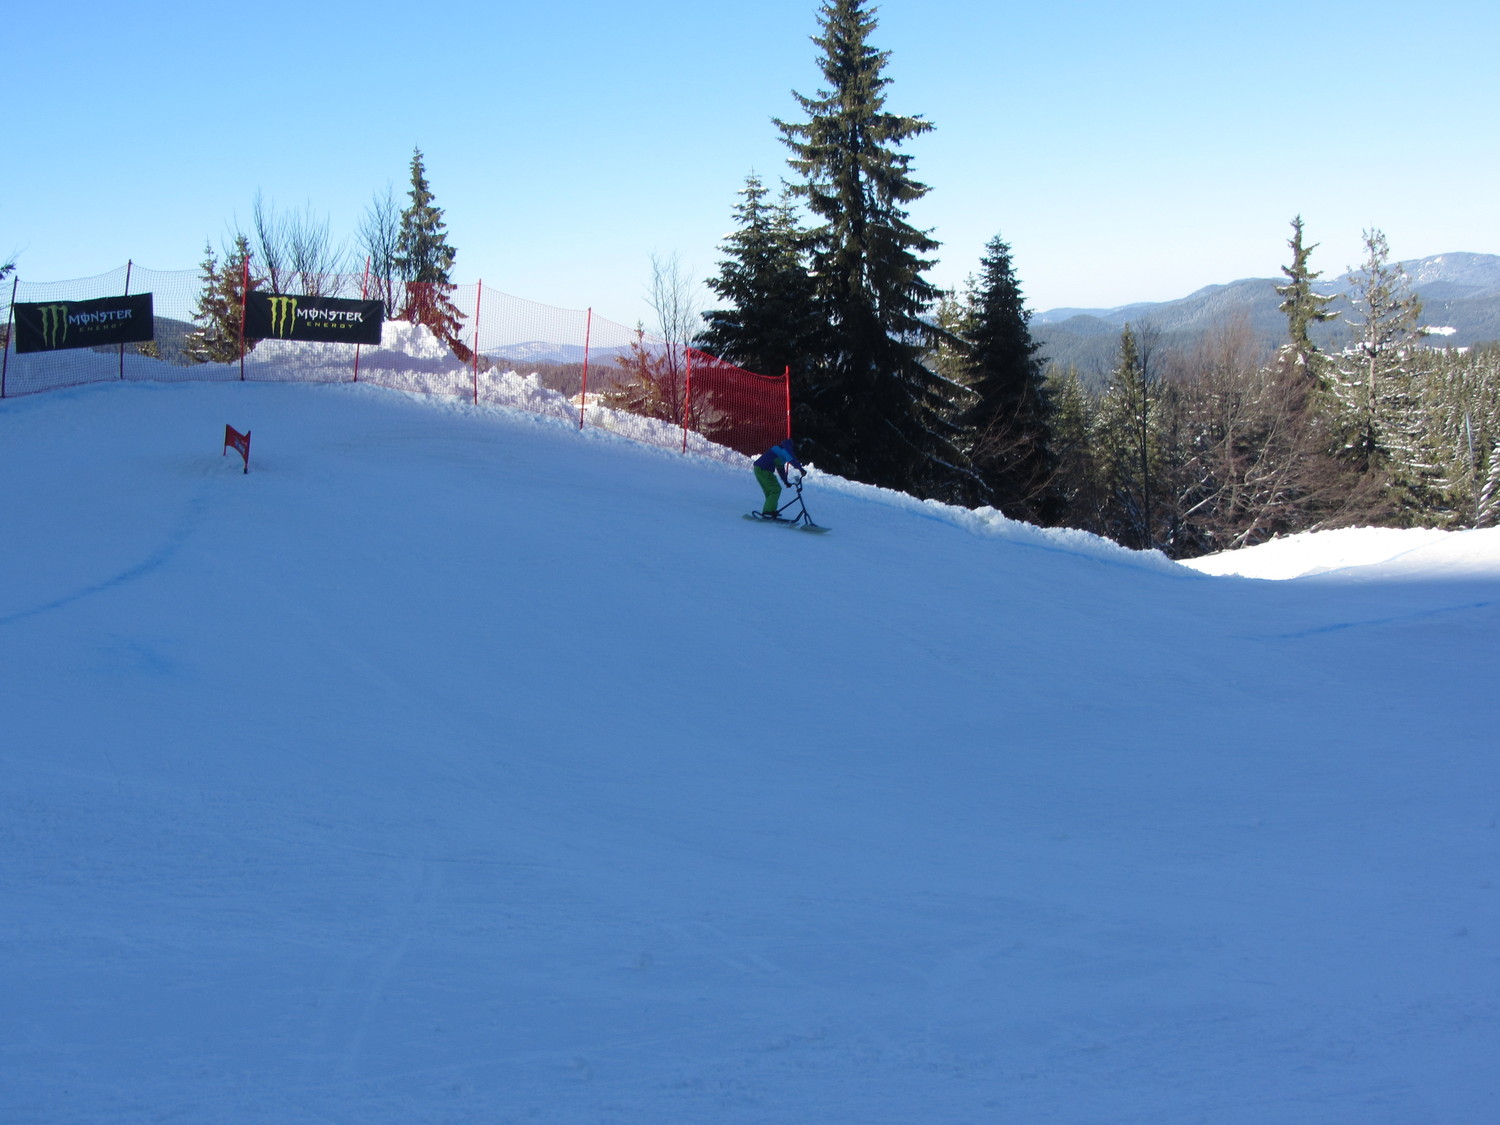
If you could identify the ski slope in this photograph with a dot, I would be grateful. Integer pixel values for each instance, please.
(454, 766)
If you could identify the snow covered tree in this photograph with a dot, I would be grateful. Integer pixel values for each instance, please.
(1369, 385)
(869, 408)
(1005, 427)
(1303, 307)
(771, 324)
(221, 306)
(1487, 503)
(1441, 464)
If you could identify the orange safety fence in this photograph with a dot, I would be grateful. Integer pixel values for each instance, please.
(467, 341)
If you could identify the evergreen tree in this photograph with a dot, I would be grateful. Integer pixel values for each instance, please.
(1129, 448)
(221, 304)
(770, 326)
(1077, 480)
(1006, 426)
(422, 251)
(870, 408)
(950, 354)
(1302, 306)
(425, 260)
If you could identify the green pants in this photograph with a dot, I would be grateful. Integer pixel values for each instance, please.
(772, 488)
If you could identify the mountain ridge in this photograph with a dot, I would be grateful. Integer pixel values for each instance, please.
(1460, 290)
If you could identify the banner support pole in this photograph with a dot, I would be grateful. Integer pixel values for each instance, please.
(129, 262)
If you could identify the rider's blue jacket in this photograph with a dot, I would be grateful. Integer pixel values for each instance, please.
(778, 457)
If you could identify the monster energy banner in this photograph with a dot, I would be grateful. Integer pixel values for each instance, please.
(53, 325)
(331, 320)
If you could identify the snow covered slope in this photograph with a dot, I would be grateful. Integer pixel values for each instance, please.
(456, 767)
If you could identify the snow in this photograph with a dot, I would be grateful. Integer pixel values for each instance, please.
(457, 766)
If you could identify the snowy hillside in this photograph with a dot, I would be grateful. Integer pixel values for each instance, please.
(452, 766)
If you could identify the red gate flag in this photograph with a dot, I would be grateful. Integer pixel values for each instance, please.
(239, 441)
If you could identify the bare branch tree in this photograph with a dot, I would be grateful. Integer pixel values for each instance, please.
(315, 260)
(268, 244)
(674, 299)
(379, 236)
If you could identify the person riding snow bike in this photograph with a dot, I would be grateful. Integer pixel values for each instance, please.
(771, 464)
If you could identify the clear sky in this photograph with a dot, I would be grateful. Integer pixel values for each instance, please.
(1127, 152)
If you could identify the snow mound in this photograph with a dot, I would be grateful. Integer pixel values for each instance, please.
(1364, 552)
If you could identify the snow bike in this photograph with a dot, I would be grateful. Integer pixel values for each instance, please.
(801, 521)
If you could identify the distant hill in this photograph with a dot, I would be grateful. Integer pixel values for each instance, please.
(1459, 291)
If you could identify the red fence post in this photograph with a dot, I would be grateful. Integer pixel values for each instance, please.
(364, 293)
(583, 398)
(687, 395)
(478, 301)
(10, 319)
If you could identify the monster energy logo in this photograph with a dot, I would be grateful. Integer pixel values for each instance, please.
(83, 324)
(54, 326)
(283, 315)
(335, 320)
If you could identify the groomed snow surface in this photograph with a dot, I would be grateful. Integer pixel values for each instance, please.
(454, 766)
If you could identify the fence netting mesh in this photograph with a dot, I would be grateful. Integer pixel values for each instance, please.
(467, 341)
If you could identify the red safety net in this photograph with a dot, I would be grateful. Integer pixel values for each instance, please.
(467, 341)
(734, 407)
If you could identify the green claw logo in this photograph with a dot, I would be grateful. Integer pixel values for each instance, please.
(54, 325)
(283, 316)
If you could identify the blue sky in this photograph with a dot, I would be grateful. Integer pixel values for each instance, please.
(1127, 152)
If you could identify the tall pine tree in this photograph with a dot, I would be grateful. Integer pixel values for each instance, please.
(422, 251)
(870, 407)
(771, 322)
(1302, 306)
(1005, 428)
(425, 261)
